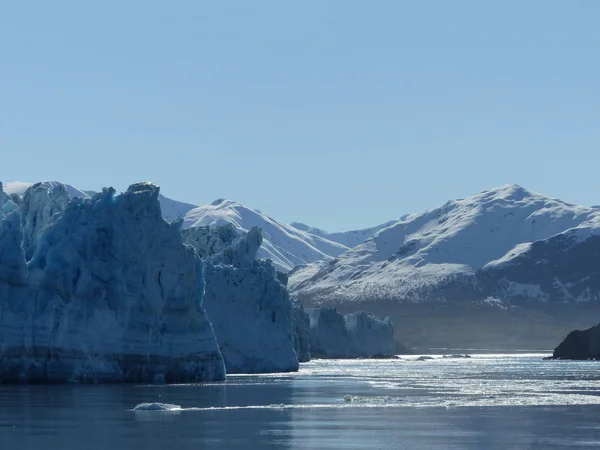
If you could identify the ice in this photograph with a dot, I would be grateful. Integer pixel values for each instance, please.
(13, 269)
(285, 245)
(355, 335)
(250, 309)
(369, 335)
(301, 332)
(39, 207)
(157, 407)
(110, 294)
(209, 241)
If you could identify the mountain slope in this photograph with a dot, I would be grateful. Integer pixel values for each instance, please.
(503, 270)
(19, 188)
(404, 260)
(173, 209)
(348, 238)
(285, 245)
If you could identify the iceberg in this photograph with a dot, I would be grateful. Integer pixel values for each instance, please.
(356, 335)
(246, 300)
(109, 294)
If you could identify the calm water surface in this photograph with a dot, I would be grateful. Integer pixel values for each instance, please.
(487, 401)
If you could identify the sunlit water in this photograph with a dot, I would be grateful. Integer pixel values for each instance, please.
(487, 401)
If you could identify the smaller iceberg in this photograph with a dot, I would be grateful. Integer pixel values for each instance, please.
(156, 406)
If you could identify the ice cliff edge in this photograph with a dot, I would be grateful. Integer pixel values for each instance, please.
(247, 301)
(103, 290)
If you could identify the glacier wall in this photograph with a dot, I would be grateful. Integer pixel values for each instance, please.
(209, 241)
(40, 205)
(110, 293)
(301, 321)
(248, 305)
(355, 335)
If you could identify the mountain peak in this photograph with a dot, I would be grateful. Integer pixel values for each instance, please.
(511, 192)
(218, 201)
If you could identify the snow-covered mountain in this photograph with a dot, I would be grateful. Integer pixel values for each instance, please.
(348, 238)
(173, 209)
(286, 245)
(456, 239)
(503, 269)
(19, 188)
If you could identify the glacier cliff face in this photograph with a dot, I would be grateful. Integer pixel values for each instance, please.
(249, 307)
(301, 332)
(355, 335)
(369, 335)
(110, 294)
(40, 205)
(209, 241)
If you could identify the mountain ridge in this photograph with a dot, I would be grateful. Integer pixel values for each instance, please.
(457, 238)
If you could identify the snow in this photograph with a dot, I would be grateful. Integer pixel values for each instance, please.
(173, 209)
(348, 238)
(285, 245)
(19, 188)
(456, 239)
(247, 301)
(355, 335)
(110, 294)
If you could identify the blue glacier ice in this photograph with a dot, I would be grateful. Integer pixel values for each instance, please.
(108, 293)
(356, 335)
(246, 300)
(40, 205)
(301, 332)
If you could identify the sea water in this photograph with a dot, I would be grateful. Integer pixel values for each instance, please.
(481, 402)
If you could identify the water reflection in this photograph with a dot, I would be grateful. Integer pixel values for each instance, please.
(64, 417)
(307, 410)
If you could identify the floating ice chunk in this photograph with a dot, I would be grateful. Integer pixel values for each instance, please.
(157, 406)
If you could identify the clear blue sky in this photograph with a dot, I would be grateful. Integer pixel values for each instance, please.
(340, 114)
